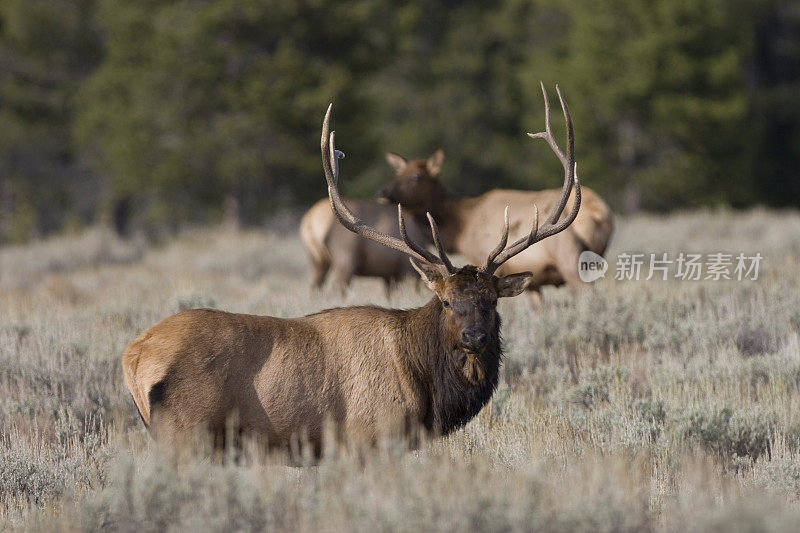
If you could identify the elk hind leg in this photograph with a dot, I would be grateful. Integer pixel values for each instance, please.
(319, 269)
(389, 283)
(343, 275)
(567, 261)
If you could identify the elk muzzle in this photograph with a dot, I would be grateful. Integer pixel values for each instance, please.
(384, 196)
(474, 340)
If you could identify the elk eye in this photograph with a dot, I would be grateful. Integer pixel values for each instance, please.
(446, 304)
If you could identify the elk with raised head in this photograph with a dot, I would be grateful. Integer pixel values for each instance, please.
(373, 372)
(466, 223)
(331, 247)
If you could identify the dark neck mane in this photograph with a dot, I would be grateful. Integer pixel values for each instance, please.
(458, 387)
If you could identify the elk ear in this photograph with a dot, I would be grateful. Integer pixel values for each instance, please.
(429, 273)
(513, 284)
(396, 162)
(435, 162)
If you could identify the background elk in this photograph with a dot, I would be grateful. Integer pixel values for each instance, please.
(371, 371)
(466, 223)
(332, 247)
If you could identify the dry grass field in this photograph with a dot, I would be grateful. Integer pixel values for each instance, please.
(641, 406)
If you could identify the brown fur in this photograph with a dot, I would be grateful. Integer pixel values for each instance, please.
(332, 247)
(469, 225)
(373, 372)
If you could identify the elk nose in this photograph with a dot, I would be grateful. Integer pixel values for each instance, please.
(473, 339)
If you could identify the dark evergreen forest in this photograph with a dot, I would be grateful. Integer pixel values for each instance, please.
(159, 113)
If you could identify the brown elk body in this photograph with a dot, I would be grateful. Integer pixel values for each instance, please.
(331, 247)
(372, 372)
(466, 224)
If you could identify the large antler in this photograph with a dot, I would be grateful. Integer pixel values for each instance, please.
(330, 164)
(501, 254)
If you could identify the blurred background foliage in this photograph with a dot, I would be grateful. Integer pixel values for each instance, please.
(154, 113)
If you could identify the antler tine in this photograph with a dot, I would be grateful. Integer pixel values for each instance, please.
(336, 155)
(568, 160)
(547, 134)
(569, 164)
(501, 245)
(552, 229)
(438, 242)
(401, 221)
(504, 255)
(552, 225)
(330, 166)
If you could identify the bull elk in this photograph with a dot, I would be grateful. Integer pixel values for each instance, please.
(465, 223)
(373, 372)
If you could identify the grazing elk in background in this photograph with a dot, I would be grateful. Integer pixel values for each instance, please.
(332, 247)
(466, 223)
(373, 372)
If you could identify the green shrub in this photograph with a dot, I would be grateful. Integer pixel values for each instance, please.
(729, 433)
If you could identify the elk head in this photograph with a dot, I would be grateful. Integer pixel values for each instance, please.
(415, 182)
(467, 295)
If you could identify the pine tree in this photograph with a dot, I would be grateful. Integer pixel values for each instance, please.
(47, 48)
